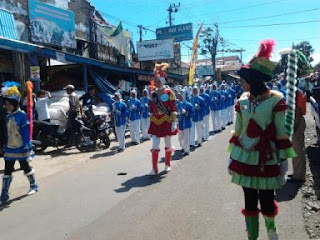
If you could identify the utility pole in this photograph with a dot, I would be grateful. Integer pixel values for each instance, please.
(140, 31)
(173, 8)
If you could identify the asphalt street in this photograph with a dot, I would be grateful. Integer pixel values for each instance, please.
(88, 199)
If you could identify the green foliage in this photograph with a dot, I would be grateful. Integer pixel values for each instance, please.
(317, 67)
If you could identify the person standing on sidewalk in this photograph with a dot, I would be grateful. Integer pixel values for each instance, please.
(163, 111)
(41, 105)
(134, 106)
(120, 119)
(259, 147)
(299, 162)
(185, 112)
(145, 114)
(17, 142)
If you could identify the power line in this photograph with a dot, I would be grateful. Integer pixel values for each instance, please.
(274, 24)
(271, 16)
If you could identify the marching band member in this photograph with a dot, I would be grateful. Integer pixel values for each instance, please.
(206, 110)
(145, 114)
(120, 114)
(185, 112)
(163, 118)
(134, 106)
(224, 106)
(215, 108)
(232, 97)
(197, 118)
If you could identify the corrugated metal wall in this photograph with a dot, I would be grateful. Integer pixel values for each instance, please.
(7, 25)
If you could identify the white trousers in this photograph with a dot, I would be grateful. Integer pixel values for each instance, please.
(231, 114)
(206, 131)
(196, 125)
(145, 123)
(184, 139)
(215, 118)
(120, 132)
(135, 130)
(224, 117)
(156, 142)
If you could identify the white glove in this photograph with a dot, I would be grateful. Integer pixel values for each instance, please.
(196, 106)
(183, 111)
(133, 107)
(146, 105)
(229, 162)
(118, 113)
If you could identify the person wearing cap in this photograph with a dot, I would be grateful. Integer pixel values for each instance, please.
(185, 113)
(232, 97)
(197, 119)
(163, 111)
(75, 111)
(134, 106)
(215, 108)
(259, 147)
(206, 112)
(224, 106)
(119, 109)
(145, 114)
(18, 145)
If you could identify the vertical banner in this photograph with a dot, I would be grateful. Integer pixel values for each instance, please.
(194, 56)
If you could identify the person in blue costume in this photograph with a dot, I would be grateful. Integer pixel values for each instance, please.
(224, 106)
(119, 110)
(185, 113)
(232, 97)
(18, 145)
(134, 107)
(206, 113)
(197, 118)
(145, 114)
(215, 108)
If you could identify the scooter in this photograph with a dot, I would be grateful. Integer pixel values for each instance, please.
(47, 134)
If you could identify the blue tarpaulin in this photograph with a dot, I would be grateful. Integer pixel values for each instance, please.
(102, 83)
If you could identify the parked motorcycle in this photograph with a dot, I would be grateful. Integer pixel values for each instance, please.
(47, 134)
(98, 125)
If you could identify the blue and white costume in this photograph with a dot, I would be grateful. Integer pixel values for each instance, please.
(197, 118)
(232, 97)
(185, 113)
(224, 106)
(206, 110)
(145, 114)
(215, 108)
(134, 106)
(119, 109)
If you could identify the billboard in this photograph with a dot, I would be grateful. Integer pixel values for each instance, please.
(155, 50)
(179, 33)
(177, 52)
(51, 25)
(204, 70)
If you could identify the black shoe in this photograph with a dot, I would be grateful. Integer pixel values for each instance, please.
(295, 181)
(290, 175)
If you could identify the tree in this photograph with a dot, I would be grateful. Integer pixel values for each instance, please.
(210, 40)
(317, 67)
(305, 69)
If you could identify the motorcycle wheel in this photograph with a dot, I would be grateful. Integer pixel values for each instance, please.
(40, 147)
(106, 140)
(85, 142)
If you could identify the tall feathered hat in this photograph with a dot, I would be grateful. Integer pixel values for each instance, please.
(10, 90)
(160, 71)
(261, 60)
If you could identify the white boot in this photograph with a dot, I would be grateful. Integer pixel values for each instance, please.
(167, 168)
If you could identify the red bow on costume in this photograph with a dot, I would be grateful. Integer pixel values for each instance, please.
(263, 146)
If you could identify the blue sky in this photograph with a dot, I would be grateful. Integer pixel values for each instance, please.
(232, 16)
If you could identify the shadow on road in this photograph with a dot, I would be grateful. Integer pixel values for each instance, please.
(313, 153)
(140, 181)
(7, 205)
(176, 156)
(288, 192)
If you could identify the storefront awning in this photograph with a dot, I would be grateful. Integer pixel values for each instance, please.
(15, 45)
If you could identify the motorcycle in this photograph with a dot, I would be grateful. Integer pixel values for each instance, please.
(48, 134)
(98, 125)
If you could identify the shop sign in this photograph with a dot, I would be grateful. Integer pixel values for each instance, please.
(182, 32)
(155, 50)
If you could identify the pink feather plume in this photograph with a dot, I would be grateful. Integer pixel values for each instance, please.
(266, 48)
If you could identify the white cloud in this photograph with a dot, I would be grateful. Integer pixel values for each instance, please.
(316, 58)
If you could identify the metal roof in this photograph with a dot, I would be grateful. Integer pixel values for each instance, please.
(7, 25)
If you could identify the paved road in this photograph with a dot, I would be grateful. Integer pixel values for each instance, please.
(90, 201)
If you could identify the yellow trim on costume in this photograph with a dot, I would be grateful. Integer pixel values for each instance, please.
(18, 155)
(234, 133)
(160, 120)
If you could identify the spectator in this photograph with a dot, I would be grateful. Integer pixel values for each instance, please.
(41, 105)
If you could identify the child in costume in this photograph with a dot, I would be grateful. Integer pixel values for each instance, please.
(198, 105)
(145, 114)
(185, 112)
(215, 108)
(163, 111)
(17, 141)
(120, 115)
(206, 110)
(134, 106)
(259, 147)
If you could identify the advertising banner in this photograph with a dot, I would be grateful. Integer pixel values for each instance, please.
(194, 57)
(155, 50)
(204, 70)
(52, 25)
(179, 33)
(35, 73)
